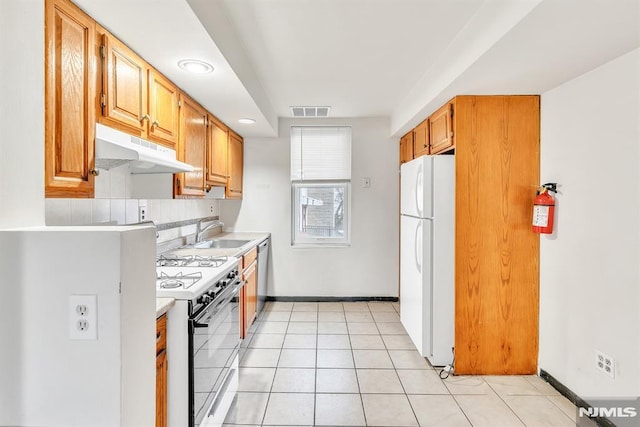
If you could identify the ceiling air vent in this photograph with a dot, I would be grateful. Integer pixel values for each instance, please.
(310, 111)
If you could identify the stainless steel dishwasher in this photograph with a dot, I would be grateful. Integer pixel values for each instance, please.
(263, 273)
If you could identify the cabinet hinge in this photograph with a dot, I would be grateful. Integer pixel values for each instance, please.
(179, 103)
(103, 100)
(103, 52)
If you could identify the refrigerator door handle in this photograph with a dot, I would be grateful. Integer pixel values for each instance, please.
(417, 250)
(419, 191)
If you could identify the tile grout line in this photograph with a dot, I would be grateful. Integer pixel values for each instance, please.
(264, 415)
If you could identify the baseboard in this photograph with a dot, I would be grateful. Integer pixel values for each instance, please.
(332, 299)
(574, 398)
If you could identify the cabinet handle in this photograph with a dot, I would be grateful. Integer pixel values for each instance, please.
(94, 172)
(155, 123)
(145, 117)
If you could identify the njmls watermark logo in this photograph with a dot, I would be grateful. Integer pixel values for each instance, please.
(621, 412)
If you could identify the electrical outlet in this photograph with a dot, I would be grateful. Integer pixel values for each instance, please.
(605, 364)
(211, 209)
(142, 213)
(83, 317)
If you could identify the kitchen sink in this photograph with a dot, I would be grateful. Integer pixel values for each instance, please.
(218, 244)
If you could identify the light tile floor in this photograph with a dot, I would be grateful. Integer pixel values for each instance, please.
(352, 364)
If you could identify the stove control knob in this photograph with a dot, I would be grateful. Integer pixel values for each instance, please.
(205, 298)
(224, 283)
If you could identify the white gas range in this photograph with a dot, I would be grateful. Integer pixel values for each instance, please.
(203, 332)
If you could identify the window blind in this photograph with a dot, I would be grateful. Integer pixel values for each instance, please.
(320, 153)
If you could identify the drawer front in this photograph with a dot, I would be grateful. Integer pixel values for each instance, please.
(161, 333)
(251, 269)
(249, 257)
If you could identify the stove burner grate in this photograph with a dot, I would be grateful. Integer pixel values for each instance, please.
(171, 284)
(178, 280)
(190, 261)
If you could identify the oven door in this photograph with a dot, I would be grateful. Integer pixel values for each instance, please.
(213, 345)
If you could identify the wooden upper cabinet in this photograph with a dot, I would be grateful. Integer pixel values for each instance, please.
(235, 165)
(124, 95)
(70, 70)
(164, 111)
(406, 148)
(421, 139)
(191, 148)
(441, 129)
(217, 152)
(135, 98)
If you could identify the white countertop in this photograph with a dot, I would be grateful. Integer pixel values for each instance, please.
(163, 305)
(254, 240)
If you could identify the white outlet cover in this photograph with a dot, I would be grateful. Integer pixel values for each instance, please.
(88, 319)
(605, 364)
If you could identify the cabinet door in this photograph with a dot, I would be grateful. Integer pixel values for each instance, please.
(421, 139)
(161, 389)
(441, 129)
(124, 85)
(234, 185)
(192, 148)
(164, 114)
(406, 148)
(250, 294)
(70, 75)
(217, 156)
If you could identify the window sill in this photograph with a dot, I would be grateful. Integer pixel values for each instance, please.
(320, 245)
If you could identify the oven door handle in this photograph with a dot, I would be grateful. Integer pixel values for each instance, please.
(202, 321)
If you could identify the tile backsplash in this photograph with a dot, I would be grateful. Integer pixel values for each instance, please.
(126, 211)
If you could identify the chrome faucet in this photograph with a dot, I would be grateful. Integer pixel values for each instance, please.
(200, 231)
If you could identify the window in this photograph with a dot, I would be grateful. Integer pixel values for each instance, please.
(320, 181)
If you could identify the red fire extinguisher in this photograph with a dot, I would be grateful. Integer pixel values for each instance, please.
(543, 209)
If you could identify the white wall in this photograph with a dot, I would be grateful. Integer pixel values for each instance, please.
(590, 269)
(21, 113)
(46, 378)
(369, 267)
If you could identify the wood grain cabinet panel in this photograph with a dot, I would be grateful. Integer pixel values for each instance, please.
(496, 253)
(164, 114)
(192, 146)
(124, 103)
(217, 153)
(421, 139)
(161, 371)
(441, 132)
(250, 295)
(235, 165)
(70, 70)
(406, 148)
(136, 98)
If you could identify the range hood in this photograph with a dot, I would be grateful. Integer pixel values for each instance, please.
(115, 148)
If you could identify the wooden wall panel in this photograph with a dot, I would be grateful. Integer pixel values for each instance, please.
(497, 171)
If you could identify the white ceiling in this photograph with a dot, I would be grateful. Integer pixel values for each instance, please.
(395, 58)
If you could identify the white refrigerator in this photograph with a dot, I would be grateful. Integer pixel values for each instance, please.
(427, 202)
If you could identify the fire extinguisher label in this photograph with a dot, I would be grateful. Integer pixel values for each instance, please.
(540, 216)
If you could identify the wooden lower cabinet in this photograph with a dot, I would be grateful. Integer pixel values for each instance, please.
(161, 371)
(250, 294)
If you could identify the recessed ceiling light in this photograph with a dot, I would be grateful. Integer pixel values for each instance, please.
(246, 121)
(195, 66)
